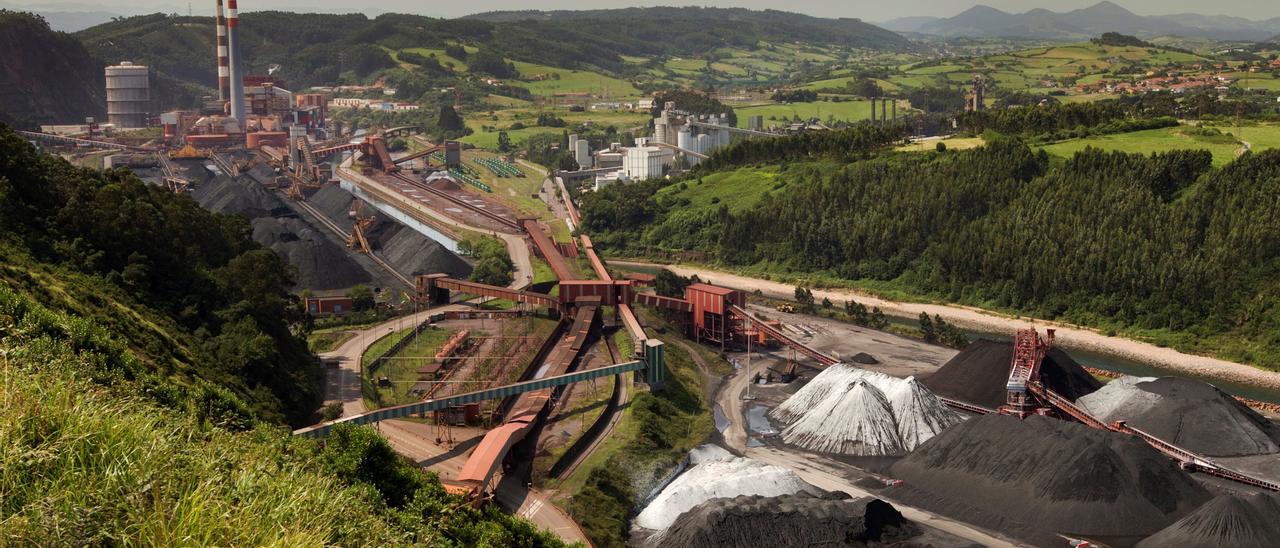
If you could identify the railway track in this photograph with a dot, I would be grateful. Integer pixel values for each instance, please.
(513, 225)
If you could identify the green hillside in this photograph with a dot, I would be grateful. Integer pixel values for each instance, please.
(150, 357)
(1165, 247)
(46, 76)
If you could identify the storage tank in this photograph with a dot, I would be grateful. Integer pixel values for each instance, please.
(704, 144)
(582, 153)
(683, 139)
(128, 95)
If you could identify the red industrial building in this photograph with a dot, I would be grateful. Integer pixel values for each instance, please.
(327, 305)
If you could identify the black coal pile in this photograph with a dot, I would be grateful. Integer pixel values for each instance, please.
(789, 520)
(1229, 520)
(1197, 416)
(865, 359)
(238, 196)
(978, 374)
(1039, 477)
(408, 251)
(320, 263)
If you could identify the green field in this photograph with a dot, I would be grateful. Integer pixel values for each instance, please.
(486, 125)
(402, 368)
(561, 80)
(844, 111)
(1165, 139)
(1036, 70)
(514, 192)
(738, 190)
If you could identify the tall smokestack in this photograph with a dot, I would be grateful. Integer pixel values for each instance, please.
(237, 67)
(224, 67)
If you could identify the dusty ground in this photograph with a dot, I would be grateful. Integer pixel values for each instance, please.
(898, 356)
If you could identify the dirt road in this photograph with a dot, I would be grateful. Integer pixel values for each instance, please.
(1067, 336)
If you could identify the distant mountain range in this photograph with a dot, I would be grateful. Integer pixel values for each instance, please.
(984, 21)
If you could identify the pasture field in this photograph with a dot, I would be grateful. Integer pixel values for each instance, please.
(845, 111)
(1223, 147)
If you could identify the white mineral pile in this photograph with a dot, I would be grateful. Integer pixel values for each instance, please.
(714, 473)
(852, 411)
(857, 421)
(837, 378)
(919, 413)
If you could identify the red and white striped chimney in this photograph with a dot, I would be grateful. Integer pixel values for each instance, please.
(237, 68)
(224, 65)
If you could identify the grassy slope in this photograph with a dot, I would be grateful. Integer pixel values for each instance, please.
(1165, 139)
(86, 464)
(844, 111)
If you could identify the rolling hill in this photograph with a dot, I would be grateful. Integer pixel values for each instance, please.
(692, 30)
(313, 49)
(985, 21)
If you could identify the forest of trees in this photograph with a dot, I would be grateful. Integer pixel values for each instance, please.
(1111, 116)
(845, 145)
(1160, 242)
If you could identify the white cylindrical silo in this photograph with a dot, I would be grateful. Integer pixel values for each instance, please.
(128, 95)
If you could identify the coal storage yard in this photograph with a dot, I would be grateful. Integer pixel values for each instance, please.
(1234, 521)
(1040, 477)
(977, 375)
(1189, 413)
(790, 520)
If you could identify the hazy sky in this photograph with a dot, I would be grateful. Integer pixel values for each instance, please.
(864, 9)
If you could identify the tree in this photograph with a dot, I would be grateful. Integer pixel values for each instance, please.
(878, 319)
(361, 297)
(331, 411)
(449, 119)
(858, 312)
(940, 147)
(927, 328)
(805, 297)
(826, 303)
(670, 284)
(504, 142)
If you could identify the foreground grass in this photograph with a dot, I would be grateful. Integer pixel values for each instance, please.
(85, 462)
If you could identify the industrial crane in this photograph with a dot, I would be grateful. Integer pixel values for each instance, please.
(359, 224)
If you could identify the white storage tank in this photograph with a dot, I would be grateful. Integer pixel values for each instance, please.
(128, 95)
(683, 139)
(582, 153)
